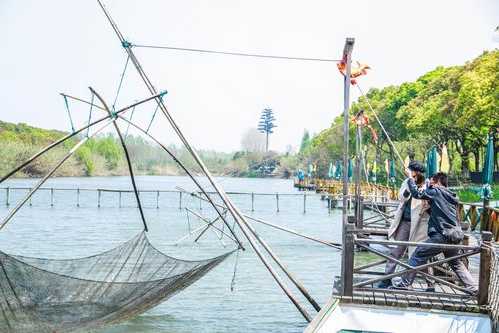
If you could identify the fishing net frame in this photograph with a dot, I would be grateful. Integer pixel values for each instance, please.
(74, 295)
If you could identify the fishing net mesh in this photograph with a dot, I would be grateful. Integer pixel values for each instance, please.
(43, 295)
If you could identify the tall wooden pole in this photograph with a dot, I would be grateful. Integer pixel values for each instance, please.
(347, 54)
(358, 162)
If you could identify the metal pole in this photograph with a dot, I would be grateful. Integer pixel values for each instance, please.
(157, 199)
(252, 201)
(119, 199)
(98, 198)
(78, 197)
(30, 199)
(52, 197)
(347, 54)
(179, 200)
(7, 194)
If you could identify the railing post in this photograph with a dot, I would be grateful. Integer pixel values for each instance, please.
(348, 257)
(30, 199)
(277, 201)
(252, 201)
(7, 194)
(465, 226)
(304, 203)
(484, 277)
(98, 198)
(180, 200)
(78, 197)
(359, 212)
(52, 197)
(119, 199)
(157, 199)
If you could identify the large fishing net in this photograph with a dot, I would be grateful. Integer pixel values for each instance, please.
(43, 295)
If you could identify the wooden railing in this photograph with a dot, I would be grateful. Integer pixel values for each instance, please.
(335, 187)
(480, 217)
(494, 289)
(360, 281)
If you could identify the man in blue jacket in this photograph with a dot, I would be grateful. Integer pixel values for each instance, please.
(443, 228)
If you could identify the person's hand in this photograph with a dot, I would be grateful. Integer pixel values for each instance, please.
(408, 173)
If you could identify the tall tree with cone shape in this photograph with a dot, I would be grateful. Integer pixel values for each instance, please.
(266, 124)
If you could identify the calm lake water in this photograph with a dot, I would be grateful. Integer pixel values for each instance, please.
(256, 304)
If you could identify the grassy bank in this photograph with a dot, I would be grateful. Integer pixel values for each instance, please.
(103, 156)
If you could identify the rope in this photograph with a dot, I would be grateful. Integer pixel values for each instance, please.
(69, 112)
(90, 113)
(154, 115)
(121, 82)
(130, 119)
(241, 54)
(381, 125)
(233, 281)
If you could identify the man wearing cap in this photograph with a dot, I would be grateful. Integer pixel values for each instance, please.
(410, 222)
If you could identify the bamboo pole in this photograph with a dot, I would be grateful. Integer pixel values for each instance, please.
(239, 219)
(127, 155)
(76, 132)
(275, 226)
(47, 176)
(182, 166)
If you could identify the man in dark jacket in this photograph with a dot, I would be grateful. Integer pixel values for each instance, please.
(443, 228)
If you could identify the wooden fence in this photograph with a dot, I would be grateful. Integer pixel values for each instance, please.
(480, 217)
(335, 188)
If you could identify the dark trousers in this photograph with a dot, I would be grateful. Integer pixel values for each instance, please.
(423, 253)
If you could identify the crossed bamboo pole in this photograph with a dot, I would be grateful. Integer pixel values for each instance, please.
(234, 211)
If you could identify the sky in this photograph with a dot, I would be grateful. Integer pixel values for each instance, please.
(50, 46)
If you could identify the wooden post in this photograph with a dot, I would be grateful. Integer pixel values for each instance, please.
(346, 59)
(252, 201)
(277, 201)
(359, 218)
(78, 197)
(484, 277)
(304, 203)
(52, 197)
(98, 198)
(119, 199)
(348, 257)
(157, 199)
(465, 226)
(7, 194)
(180, 200)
